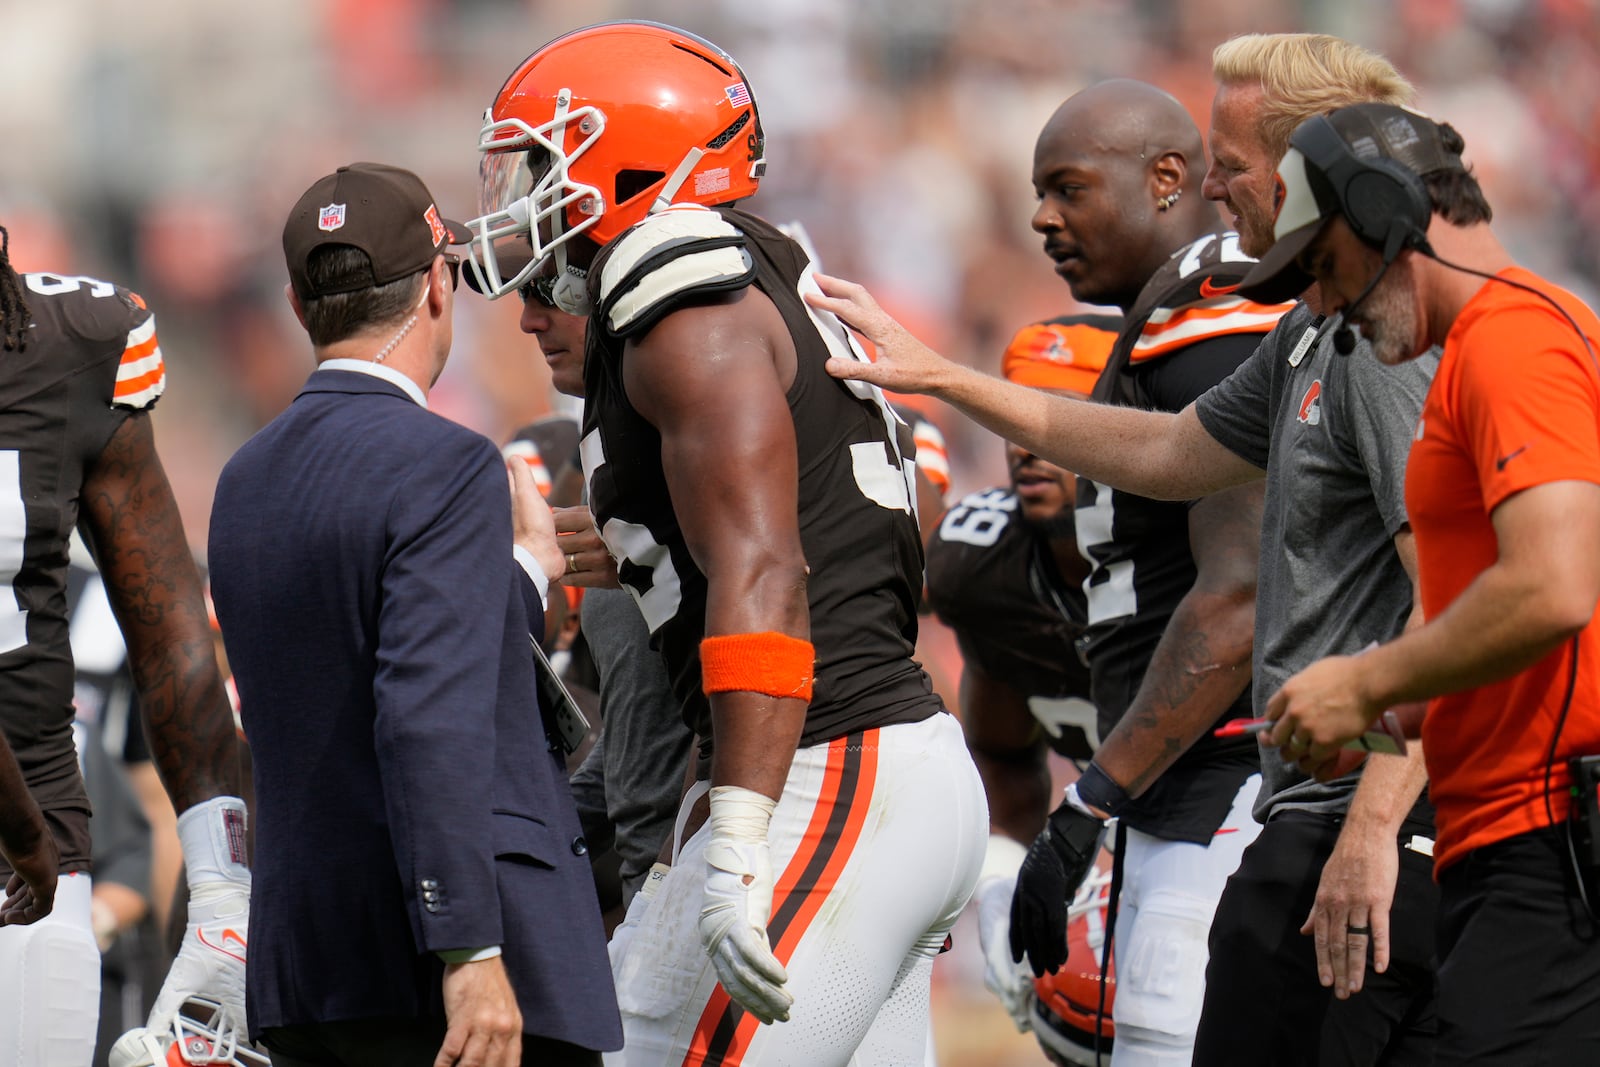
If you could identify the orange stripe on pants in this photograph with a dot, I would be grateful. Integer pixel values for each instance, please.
(791, 894)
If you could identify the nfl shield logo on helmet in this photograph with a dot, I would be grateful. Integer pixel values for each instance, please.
(331, 217)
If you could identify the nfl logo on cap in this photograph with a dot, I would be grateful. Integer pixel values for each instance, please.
(331, 217)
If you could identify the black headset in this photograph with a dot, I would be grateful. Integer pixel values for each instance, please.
(1384, 201)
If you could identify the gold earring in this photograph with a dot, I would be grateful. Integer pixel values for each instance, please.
(1167, 201)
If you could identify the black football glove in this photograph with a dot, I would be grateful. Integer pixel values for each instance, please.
(1057, 863)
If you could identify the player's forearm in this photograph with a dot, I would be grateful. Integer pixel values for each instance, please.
(1199, 668)
(22, 827)
(189, 724)
(755, 592)
(755, 740)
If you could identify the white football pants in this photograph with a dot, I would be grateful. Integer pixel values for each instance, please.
(50, 984)
(1170, 891)
(879, 837)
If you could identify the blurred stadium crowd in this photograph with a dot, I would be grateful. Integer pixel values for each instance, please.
(160, 145)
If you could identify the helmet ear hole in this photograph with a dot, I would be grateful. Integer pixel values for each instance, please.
(630, 183)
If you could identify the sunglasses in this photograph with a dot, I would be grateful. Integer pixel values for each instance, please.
(540, 290)
(453, 261)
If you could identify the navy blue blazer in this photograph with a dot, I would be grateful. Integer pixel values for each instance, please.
(407, 796)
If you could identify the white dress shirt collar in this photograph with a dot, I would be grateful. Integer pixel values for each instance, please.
(378, 370)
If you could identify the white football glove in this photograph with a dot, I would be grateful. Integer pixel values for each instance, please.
(622, 936)
(1007, 979)
(738, 903)
(211, 961)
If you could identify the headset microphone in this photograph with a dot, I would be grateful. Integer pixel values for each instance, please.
(1399, 238)
(1344, 340)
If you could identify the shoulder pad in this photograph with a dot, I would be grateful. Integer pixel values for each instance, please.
(1192, 298)
(672, 254)
(102, 313)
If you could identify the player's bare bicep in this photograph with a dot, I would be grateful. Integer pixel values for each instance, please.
(709, 379)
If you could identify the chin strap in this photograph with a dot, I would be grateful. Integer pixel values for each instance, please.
(663, 200)
(571, 291)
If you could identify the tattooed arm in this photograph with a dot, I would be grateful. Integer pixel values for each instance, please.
(130, 520)
(1202, 662)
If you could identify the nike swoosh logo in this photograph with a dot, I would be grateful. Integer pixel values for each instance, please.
(1207, 290)
(1500, 464)
(229, 934)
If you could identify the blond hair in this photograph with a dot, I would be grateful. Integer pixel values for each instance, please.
(1305, 74)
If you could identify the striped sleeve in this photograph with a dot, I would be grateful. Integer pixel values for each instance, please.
(142, 374)
(1169, 329)
(529, 453)
(932, 455)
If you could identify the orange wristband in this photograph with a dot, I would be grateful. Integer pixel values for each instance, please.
(769, 662)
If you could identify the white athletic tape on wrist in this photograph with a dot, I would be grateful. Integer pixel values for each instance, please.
(740, 815)
(212, 834)
(1078, 804)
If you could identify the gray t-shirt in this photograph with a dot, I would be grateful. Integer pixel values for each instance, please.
(1333, 435)
(633, 777)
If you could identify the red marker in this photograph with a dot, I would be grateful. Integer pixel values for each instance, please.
(1385, 735)
(1241, 727)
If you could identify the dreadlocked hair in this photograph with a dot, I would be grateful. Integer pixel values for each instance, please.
(14, 314)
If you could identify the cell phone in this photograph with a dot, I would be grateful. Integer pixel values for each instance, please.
(571, 724)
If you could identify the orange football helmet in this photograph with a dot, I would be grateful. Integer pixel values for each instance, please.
(1066, 1003)
(198, 1036)
(599, 128)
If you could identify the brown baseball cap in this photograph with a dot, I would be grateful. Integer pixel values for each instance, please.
(384, 211)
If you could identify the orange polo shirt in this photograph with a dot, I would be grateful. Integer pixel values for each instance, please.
(1515, 404)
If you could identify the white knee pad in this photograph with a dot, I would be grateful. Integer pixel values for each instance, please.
(50, 984)
(1138, 1047)
(1161, 971)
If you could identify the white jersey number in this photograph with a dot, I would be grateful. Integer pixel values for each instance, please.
(635, 543)
(1227, 252)
(56, 284)
(1059, 714)
(883, 475)
(1109, 588)
(979, 519)
(13, 531)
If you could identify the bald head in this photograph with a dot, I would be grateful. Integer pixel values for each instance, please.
(1118, 170)
(1122, 118)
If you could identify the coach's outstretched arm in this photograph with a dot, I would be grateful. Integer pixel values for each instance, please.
(1152, 453)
